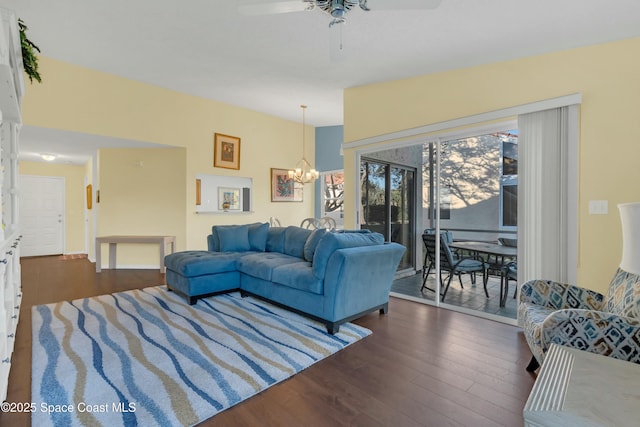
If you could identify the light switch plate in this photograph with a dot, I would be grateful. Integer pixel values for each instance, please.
(598, 207)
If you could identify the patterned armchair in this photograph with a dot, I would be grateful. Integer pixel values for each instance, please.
(550, 312)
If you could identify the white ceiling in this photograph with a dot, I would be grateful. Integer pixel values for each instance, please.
(69, 147)
(274, 63)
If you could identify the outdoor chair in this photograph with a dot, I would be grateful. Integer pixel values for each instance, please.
(498, 262)
(453, 265)
(429, 261)
(509, 272)
(507, 241)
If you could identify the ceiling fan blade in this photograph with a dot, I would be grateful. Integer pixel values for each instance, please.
(402, 4)
(274, 7)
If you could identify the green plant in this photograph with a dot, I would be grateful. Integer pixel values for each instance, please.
(29, 58)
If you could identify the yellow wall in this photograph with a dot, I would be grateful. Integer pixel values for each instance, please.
(607, 77)
(74, 199)
(141, 193)
(83, 100)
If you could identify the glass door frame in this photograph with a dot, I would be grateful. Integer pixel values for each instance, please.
(437, 142)
(472, 123)
(409, 208)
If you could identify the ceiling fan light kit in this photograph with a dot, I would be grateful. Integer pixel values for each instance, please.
(337, 9)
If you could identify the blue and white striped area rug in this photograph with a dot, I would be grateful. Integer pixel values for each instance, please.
(145, 357)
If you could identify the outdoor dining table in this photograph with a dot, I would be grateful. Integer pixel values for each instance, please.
(501, 253)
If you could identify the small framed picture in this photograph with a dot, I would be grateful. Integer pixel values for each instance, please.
(283, 188)
(89, 196)
(226, 151)
(228, 199)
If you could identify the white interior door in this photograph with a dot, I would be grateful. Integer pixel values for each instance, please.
(42, 215)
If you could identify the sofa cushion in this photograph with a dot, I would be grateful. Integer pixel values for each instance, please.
(258, 234)
(261, 264)
(312, 243)
(294, 240)
(331, 242)
(275, 239)
(298, 275)
(233, 237)
(199, 263)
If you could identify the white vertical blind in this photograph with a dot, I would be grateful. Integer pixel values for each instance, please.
(543, 201)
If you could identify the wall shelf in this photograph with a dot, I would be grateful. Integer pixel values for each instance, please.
(224, 213)
(212, 189)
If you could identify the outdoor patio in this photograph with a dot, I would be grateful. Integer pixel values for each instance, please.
(471, 297)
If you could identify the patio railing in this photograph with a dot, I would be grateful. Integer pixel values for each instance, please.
(469, 234)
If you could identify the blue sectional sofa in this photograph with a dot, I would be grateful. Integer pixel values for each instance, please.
(333, 277)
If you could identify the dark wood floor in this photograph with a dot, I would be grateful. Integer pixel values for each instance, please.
(421, 367)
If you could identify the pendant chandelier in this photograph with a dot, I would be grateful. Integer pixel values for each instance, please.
(303, 173)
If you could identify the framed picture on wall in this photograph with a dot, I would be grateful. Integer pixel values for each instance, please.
(228, 199)
(283, 188)
(89, 196)
(226, 151)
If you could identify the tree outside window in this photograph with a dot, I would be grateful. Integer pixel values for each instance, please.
(333, 196)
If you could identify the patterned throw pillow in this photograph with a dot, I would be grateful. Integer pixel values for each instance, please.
(623, 296)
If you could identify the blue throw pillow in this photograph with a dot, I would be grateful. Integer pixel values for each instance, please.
(294, 240)
(233, 238)
(312, 243)
(213, 243)
(258, 234)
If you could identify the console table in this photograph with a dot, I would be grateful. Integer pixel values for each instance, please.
(114, 240)
(578, 388)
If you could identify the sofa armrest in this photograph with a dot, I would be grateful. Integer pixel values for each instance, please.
(593, 331)
(359, 279)
(550, 294)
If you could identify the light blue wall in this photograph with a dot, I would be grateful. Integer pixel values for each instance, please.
(328, 158)
(328, 142)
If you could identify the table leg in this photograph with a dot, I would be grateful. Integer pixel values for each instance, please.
(163, 246)
(112, 255)
(504, 288)
(172, 249)
(98, 257)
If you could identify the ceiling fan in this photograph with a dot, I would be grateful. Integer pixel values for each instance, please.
(337, 9)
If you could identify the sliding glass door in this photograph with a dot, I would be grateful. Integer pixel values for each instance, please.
(489, 185)
(471, 194)
(388, 204)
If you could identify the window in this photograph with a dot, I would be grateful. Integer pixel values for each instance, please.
(445, 204)
(509, 180)
(332, 201)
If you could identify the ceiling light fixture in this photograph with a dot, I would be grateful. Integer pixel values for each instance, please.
(303, 173)
(48, 157)
(337, 9)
